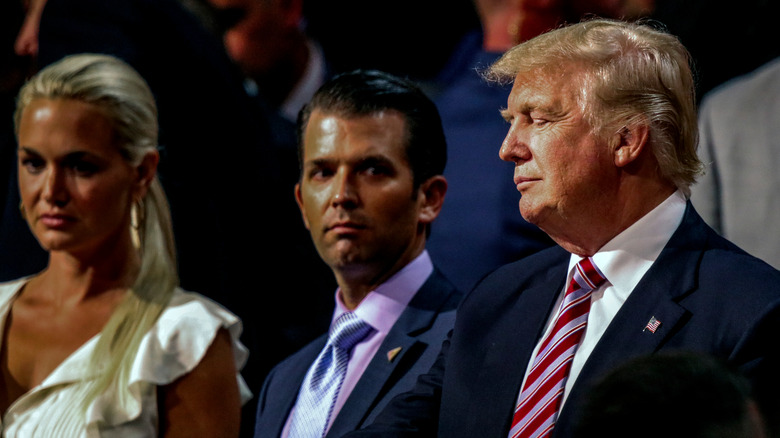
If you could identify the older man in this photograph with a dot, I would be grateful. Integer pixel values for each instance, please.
(372, 152)
(603, 135)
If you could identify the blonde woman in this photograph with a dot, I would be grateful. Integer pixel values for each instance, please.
(103, 343)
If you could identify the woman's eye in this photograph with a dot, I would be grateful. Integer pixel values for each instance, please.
(84, 168)
(33, 165)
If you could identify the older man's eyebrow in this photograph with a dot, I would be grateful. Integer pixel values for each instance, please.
(506, 114)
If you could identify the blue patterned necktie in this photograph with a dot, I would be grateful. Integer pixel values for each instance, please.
(323, 381)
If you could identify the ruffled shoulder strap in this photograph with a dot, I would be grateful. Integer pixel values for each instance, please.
(173, 347)
(10, 288)
(180, 338)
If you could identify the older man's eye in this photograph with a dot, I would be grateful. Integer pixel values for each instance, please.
(540, 121)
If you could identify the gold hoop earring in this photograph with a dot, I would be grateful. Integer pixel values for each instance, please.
(136, 220)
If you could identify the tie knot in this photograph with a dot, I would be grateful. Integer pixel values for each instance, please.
(587, 276)
(348, 330)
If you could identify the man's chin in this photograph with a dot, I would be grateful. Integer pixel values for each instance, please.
(344, 259)
(531, 213)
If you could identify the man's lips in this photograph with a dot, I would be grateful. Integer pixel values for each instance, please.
(521, 181)
(345, 226)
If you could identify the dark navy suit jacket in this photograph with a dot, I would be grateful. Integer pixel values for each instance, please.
(709, 295)
(419, 332)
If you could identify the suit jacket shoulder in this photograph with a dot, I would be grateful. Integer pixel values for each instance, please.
(414, 340)
(709, 295)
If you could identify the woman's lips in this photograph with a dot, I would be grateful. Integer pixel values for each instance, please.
(55, 220)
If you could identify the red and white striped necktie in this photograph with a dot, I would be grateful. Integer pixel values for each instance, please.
(542, 393)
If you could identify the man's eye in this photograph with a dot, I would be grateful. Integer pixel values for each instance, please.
(377, 170)
(320, 174)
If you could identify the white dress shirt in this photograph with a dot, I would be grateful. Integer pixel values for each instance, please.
(624, 260)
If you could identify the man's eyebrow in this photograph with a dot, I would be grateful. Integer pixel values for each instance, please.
(370, 159)
(317, 162)
(375, 159)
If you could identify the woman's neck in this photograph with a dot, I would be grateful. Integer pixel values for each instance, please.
(80, 275)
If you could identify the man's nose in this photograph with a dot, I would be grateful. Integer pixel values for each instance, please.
(345, 192)
(514, 148)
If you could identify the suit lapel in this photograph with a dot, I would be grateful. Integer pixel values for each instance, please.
(522, 313)
(283, 389)
(672, 276)
(399, 350)
(377, 377)
(656, 297)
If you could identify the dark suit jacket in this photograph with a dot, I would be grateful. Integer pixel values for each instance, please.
(709, 295)
(419, 332)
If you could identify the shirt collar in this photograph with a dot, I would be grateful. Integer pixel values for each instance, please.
(382, 307)
(626, 258)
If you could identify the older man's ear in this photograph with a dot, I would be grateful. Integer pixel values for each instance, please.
(629, 144)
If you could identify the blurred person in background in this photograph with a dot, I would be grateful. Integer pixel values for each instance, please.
(267, 39)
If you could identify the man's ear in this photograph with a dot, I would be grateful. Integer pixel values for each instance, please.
(431, 198)
(629, 143)
(145, 173)
(299, 201)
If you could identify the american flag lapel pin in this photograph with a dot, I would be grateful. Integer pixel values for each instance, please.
(652, 325)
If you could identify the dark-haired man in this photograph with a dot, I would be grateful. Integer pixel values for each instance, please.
(372, 155)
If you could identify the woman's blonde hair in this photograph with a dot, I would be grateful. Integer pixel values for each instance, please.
(127, 101)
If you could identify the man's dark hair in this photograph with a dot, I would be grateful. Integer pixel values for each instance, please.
(366, 92)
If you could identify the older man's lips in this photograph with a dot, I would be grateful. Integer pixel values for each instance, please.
(523, 182)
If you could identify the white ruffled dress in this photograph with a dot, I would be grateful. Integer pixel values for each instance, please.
(172, 348)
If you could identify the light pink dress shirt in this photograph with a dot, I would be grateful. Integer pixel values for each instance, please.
(381, 308)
